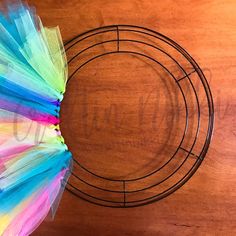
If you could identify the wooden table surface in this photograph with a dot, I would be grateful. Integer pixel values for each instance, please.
(206, 204)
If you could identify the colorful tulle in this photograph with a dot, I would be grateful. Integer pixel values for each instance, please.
(34, 160)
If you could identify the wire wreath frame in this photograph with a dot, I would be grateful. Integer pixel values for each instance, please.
(118, 38)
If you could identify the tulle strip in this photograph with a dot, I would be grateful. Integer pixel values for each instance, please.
(34, 160)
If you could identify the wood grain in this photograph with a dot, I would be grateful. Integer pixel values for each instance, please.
(206, 205)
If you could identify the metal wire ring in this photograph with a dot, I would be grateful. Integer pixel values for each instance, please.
(117, 31)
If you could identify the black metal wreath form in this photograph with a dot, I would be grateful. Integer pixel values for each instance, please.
(118, 38)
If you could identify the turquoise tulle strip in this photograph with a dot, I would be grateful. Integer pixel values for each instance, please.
(34, 160)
